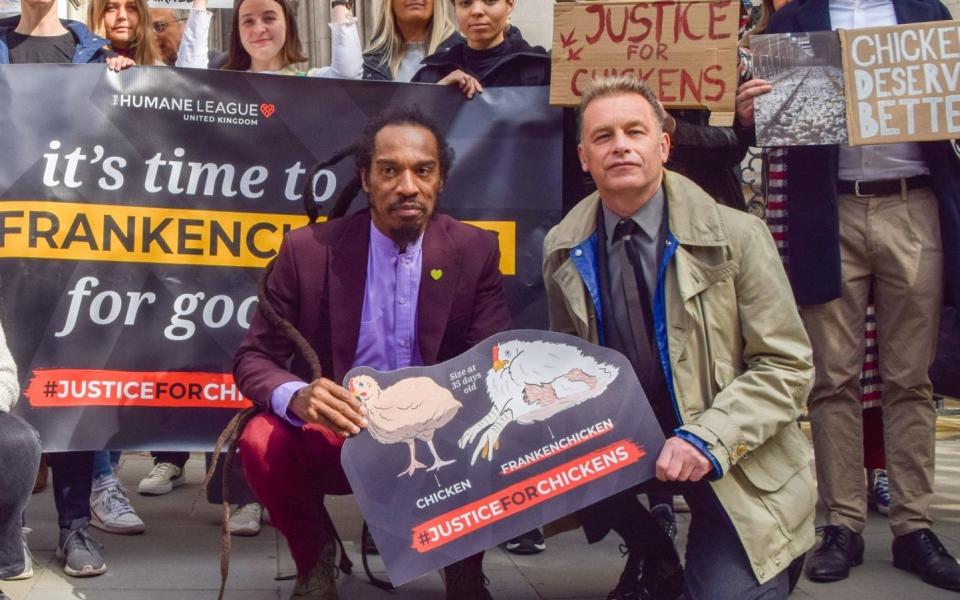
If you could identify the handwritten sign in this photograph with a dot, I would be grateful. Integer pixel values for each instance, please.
(685, 50)
(902, 82)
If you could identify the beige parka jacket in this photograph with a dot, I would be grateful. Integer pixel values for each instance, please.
(740, 363)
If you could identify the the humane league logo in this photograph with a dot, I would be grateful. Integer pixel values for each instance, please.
(246, 114)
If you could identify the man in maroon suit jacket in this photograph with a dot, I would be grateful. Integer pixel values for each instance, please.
(347, 285)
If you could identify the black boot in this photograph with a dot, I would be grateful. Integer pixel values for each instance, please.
(464, 580)
(840, 549)
(629, 586)
(922, 553)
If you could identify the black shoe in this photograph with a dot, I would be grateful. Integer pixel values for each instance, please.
(662, 578)
(664, 515)
(840, 549)
(629, 586)
(464, 580)
(529, 543)
(922, 553)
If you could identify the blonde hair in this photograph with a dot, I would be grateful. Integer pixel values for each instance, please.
(143, 44)
(388, 41)
(620, 85)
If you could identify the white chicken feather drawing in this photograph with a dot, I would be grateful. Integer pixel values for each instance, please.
(531, 382)
(410, 409)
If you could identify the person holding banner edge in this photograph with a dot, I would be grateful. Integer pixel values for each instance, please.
(38, 36)
(693, 293)
(437, 287)
(405, 32)
(264, 38)
(890, 214)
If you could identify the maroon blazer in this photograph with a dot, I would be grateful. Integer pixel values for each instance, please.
(318, 284)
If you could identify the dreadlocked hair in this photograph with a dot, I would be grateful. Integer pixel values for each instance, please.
(362, 152)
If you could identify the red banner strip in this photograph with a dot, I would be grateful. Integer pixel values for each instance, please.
(64, 388)
(525, 494)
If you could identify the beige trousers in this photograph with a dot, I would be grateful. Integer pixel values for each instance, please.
(893, 241)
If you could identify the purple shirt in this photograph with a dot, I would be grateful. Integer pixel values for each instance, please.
(388, 323)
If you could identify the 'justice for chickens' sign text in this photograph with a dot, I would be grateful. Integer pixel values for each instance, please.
(684, 50)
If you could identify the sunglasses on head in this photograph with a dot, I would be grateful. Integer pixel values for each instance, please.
(160, 26)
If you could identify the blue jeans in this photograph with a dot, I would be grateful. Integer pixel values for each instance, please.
(104, 461)
(19, 461)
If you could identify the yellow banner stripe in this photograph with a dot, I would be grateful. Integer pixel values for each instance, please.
(137, 234)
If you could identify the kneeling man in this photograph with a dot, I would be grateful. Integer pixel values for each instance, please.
(392, 286)
(694, 294)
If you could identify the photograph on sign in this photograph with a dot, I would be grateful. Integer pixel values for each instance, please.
(903, 82)
(525, 428)
(806, 105)
(685, 50)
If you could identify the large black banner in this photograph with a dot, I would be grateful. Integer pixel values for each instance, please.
(137, 210)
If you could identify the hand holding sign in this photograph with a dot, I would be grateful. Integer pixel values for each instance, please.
(325, 403)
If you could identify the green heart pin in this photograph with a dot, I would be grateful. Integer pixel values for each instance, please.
(436, 274)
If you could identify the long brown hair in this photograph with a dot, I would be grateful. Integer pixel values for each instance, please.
(239, 60)
(144, 47)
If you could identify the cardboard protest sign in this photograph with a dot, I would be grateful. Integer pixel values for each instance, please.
(187, 4)
(903, 82)
(685, 50)
(525, 428)
(806, 103)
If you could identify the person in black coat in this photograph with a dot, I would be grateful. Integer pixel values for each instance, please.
(491, 53)
(404, 34)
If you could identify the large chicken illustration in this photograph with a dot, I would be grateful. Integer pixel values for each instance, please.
(533, 381)
(411, 409)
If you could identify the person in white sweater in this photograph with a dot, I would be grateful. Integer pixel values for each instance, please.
(19, 460)
(265, 39)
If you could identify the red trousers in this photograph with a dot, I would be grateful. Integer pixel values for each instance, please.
(290, 470)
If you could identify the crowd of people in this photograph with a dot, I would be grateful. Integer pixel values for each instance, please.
(733, 332)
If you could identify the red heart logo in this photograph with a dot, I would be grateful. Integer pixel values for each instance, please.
(267, 110)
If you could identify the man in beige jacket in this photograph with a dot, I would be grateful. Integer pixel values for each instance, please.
(694, 294)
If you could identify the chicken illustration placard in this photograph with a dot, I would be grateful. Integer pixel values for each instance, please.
(526, 427)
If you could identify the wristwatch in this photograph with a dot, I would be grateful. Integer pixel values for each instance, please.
(336, 3)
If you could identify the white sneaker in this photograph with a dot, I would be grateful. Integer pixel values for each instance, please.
(161, 480)
(27, 572)
(246, 519)
(110, 509)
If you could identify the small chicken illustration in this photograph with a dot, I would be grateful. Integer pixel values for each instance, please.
(412, 408)
(533, 381)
